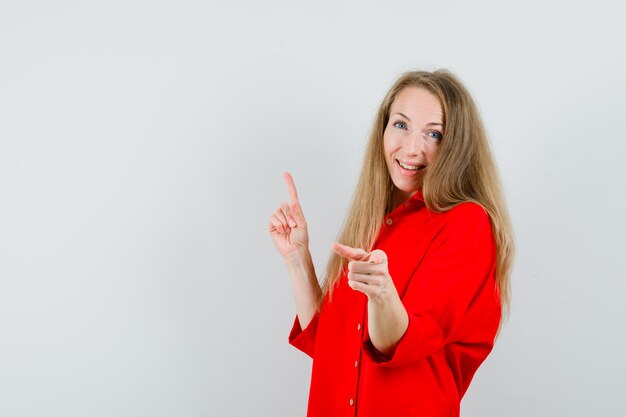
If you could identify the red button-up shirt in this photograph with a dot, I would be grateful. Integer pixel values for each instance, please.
(443, 266)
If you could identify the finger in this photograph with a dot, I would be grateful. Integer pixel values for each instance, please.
(364, 278)
(275, 225)
(294, 203)
(280, 214)
(359, 286)
(356, 254)
(271, 227)
(290, 219)
(291, 187)
(367, 267)
(278, 224)
(296, 212)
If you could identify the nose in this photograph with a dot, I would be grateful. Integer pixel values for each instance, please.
(415, 145)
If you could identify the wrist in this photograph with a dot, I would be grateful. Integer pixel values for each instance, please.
(386, 300)
(298, 256)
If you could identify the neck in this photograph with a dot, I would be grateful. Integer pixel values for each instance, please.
(398, 197)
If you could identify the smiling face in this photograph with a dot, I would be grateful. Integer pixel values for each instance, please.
(411, 139)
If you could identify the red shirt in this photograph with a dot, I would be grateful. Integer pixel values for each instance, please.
(443, 266)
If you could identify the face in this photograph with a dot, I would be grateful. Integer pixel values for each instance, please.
(411, 139)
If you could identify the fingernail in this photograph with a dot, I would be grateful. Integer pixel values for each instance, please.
(292, 223)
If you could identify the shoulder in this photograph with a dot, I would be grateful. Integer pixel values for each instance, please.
(468, 225)
(468, 214)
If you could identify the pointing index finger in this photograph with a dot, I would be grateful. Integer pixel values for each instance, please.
(355, 254)
(291, 187)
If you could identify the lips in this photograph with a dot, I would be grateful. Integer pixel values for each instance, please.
(410, 166)
(412, 171)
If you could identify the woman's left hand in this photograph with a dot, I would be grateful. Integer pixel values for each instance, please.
(368, 272)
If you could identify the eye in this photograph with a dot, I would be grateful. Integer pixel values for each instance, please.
(434, 134)
(400, 125)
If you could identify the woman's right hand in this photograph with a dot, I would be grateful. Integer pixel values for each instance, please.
(287, 226)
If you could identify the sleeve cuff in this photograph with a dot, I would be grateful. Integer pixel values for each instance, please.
(421, 338)
(304, 339)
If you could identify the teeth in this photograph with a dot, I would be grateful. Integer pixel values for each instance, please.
(410, 167)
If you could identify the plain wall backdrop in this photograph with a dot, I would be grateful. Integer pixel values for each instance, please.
(141, 151)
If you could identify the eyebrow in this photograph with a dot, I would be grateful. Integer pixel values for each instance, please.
(409, 119)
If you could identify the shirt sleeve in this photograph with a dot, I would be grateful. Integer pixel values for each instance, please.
(304, 340)
(458, 267)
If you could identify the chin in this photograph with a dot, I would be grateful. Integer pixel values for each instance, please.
(405, 192)
(408, 188)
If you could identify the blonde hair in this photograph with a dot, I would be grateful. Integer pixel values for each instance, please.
(463, 171)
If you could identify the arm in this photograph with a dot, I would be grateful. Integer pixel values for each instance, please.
(387, 323)
(305, 287)
(288, 229)
(387, 316)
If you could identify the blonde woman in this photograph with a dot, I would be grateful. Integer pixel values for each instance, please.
(416, 288)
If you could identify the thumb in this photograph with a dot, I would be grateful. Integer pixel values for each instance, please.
(378, 256)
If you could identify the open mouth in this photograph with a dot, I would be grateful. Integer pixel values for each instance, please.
(410, 167)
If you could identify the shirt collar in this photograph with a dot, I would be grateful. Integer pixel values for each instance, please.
(416, 199)
(419, 195)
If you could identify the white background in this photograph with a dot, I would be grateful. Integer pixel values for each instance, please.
(141, 151)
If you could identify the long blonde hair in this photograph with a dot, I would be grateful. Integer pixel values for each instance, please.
(463, 171)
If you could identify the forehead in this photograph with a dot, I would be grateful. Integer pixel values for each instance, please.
(418, 104)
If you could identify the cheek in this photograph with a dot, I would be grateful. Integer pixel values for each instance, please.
(431, 154)
(390, 144)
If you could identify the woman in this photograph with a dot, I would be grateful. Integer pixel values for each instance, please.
(414, 294)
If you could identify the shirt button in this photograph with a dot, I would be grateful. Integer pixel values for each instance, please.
(358, 326)
(351, 401)
(356, 363)
(389, 221)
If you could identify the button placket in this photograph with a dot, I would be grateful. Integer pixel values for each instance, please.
(357, 362)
